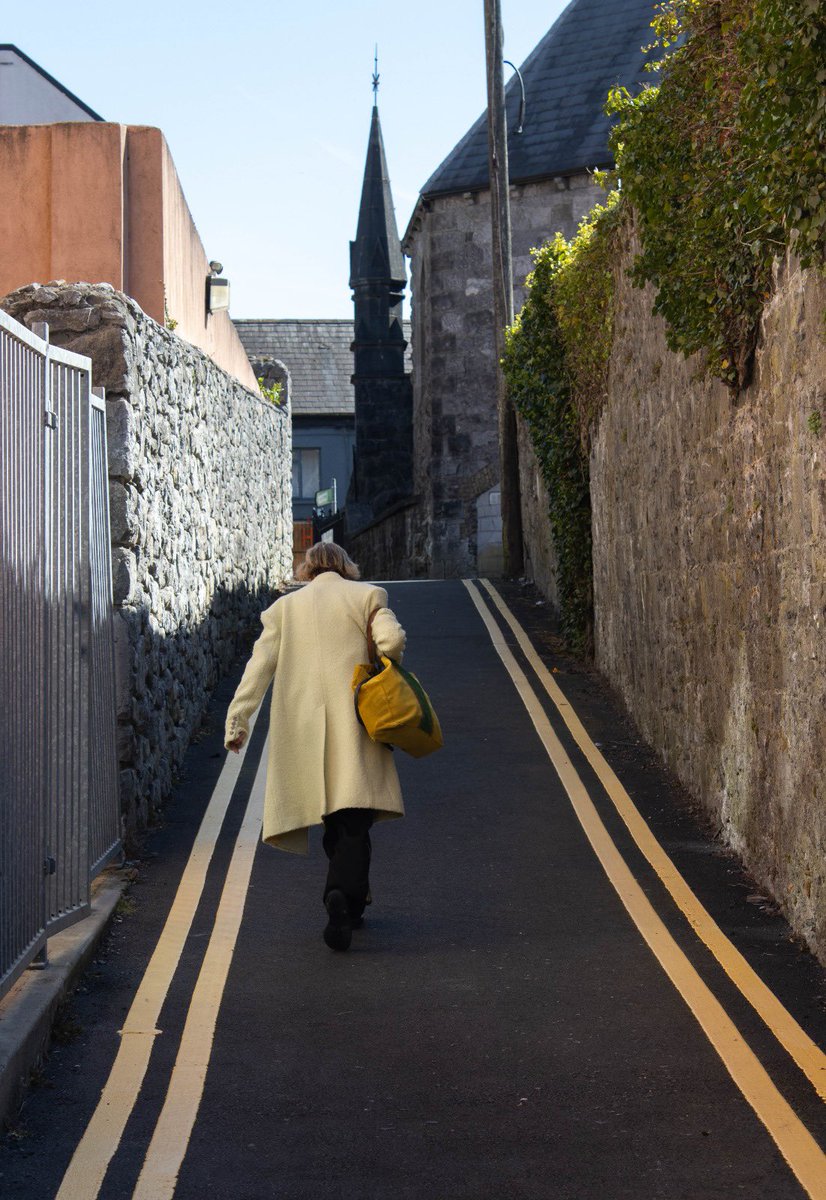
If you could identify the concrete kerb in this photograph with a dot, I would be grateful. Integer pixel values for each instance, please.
(27, 1013)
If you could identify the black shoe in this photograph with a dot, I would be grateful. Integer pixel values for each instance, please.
(339, 929)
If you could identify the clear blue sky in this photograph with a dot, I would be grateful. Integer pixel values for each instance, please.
(266, 108)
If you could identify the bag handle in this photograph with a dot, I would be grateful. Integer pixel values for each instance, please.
(372, 652)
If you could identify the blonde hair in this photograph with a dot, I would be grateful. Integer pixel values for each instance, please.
(327, 556)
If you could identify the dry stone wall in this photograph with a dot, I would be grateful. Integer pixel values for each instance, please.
(380, 549)
(200, 493)
(709, 520)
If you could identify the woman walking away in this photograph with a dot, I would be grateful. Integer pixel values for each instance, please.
(322, 766)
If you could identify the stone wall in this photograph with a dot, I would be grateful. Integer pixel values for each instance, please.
(381, 549)
(200, 479)
(540, 554)
(455, 427)
(709, 518)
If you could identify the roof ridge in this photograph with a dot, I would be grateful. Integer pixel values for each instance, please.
(292, 320)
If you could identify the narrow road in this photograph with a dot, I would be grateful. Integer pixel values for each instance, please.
(538, 1006)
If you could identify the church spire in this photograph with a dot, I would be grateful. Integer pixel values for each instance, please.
(383, 467)
(376, 254)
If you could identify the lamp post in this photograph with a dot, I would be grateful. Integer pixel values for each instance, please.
(502, 287)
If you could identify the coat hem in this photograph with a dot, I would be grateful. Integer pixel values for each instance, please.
(297, 841)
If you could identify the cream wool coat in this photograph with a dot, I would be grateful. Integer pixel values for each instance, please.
(320, 758)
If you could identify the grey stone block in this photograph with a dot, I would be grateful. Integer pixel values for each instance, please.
(124, 574)
(124, 525)
(121, 437)
(123, 663)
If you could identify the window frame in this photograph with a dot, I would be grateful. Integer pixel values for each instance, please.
(298, 452)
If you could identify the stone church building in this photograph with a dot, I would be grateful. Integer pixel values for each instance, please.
(452, 528)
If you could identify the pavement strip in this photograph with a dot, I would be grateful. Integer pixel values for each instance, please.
(85, 1173)
(800, 1150)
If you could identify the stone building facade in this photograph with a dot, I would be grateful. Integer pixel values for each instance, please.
(593, 45)
(454, 381)
(199, 493)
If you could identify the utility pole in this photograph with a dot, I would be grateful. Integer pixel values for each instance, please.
(500, 214)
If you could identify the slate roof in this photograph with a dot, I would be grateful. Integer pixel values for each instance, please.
(593, 45)
(318, 356)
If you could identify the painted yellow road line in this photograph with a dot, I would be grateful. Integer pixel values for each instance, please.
(85, 1173)
(159, 1174)
(800, 1150)
(807, 1054)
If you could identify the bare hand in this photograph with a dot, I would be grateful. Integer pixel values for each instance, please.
(236, 743)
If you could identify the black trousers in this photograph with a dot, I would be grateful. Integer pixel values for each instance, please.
(347, 845)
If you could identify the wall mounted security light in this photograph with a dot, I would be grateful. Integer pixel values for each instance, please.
(217, 290)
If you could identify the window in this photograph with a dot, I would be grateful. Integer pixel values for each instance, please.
(306, 473)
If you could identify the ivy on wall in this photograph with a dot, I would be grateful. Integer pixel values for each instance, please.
(722, 163)
(783, 114)
(556, 361)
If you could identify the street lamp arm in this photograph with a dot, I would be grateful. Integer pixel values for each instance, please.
(521, 120)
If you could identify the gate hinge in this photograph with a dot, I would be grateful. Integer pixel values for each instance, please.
(50, 418)
(49, 865)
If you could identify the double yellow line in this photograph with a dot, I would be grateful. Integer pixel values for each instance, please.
(795, 1142)
(85, 1174)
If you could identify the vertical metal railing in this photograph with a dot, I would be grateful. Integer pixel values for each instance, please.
(67, 588)
(22, 650)
(58, 795)
(104, 816)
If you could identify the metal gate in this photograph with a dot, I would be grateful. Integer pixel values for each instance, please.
(59, 807)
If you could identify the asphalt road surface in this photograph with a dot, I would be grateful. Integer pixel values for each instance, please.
(551, 998)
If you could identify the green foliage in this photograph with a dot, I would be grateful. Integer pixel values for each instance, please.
(815, 421)
(555, 364)
(679, 155)
(168, 320)
(723, 163)
(783, 115)
(271, 392)
(584, 305)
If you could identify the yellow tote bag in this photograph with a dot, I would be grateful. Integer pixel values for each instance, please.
(392, 705)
